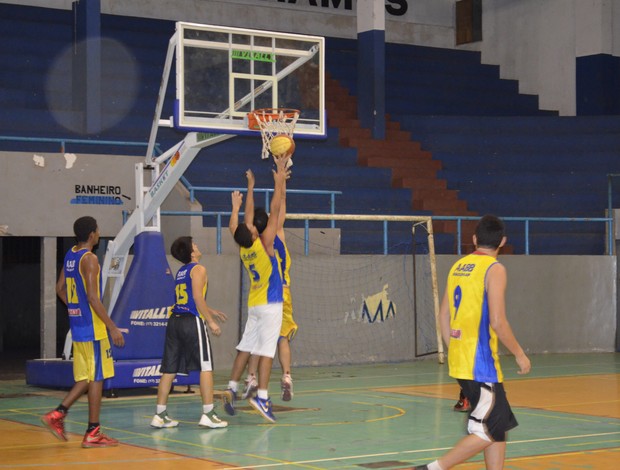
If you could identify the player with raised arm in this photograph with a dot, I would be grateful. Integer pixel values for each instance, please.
(187, 345)
(262, 328)
(289, 327)
(473, 320)
(79, 287)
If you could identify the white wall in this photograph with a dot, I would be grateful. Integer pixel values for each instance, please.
(537, 42)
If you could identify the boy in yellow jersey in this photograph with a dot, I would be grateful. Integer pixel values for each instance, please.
(289, 327)
(473, 319)
(79, 287)
(187, 346)
(262, 328)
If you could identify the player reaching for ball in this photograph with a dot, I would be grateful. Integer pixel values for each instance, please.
(260, 336)
(289, 327)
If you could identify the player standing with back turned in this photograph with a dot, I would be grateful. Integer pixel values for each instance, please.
(473, 319)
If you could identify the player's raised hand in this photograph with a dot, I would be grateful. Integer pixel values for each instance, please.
(281, 167)
(237, 199)
(250, 176)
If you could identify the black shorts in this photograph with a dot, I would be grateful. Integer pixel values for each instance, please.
(187, 345)
(490, 416)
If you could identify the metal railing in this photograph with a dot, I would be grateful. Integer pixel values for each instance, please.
(63, 142)
(386, 219)
(267, 193)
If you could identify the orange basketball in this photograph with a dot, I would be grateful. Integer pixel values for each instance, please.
(282, 145)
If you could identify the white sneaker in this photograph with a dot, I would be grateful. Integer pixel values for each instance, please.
(286, 384)
(162, 420)
(211, 420)
(251, 386)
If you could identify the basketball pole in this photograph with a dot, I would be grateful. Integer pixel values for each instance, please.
(431, 248)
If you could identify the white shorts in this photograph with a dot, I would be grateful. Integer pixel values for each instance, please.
(262, 330)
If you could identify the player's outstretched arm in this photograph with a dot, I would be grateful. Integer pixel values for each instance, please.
(237, 200)
(279, 178)
(496, 291)
(282, 214)
(248, 217)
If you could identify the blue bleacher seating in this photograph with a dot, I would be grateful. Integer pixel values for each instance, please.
(497, 148)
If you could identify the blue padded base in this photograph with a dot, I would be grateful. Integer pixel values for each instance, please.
(56, 373)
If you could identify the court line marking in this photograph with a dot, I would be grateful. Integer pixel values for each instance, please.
(437, 449)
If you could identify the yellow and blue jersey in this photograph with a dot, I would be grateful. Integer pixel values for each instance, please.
(284, 258)
(84, 322)
(184, 292)
(264, 272)
(473, 351)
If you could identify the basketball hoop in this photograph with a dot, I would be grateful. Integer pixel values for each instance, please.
(271, 122)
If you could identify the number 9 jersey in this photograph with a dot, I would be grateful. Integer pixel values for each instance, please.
(472, 353)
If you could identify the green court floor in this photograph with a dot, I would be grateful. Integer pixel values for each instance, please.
(372, 416)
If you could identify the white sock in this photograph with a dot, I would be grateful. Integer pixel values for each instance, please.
(434, 466)
(262, 394)
(233, 385)
(161, 409)
(207, 408)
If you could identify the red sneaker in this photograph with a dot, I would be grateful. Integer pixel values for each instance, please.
(96, 438)
(462, 405)
(55, 422)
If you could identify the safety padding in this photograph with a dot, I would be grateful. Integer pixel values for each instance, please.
(145, 298)
(56, 373)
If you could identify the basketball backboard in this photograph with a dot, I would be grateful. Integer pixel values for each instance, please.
(223, 73)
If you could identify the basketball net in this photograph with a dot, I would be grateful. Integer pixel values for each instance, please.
(271, 122)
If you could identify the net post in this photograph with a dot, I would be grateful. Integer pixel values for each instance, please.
(431, 249)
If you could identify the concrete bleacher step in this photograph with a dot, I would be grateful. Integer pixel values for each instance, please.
(420, 80)
(406, 160)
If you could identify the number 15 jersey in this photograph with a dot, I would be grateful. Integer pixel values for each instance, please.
(472, 354)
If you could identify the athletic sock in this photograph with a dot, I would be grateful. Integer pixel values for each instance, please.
(63, 409)
(434, 466)
(232, 384)
(207, 408)
(161, 409)
(92, 426)
(262, 394)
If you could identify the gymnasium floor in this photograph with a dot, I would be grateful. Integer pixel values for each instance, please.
(389, 416)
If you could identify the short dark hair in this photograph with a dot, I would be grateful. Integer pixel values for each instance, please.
(490, 231)
(260, 219)
(83, 227)
(182, 248)
(243, 236)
